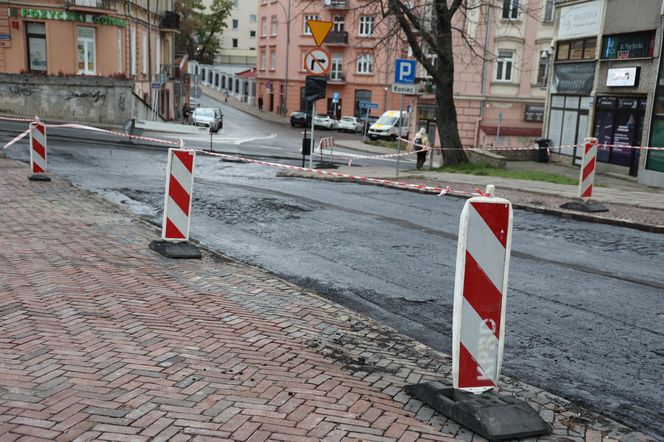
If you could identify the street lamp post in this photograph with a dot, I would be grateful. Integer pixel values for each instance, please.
(288, 21)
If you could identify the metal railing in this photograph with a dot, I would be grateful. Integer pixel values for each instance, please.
(336, 37)
(101, 4)
(336, 4)
(337, 76)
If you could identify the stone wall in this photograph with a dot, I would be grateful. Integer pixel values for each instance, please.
(73, 99)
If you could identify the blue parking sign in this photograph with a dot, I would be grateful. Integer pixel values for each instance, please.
(335, 97)
(405, 71)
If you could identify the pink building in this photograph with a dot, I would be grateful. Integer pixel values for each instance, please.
(499, 95)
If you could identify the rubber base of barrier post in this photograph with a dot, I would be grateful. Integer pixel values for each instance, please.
(492, 416)
(325, 165)
(581, 205)
(38, 177)
(176, 250)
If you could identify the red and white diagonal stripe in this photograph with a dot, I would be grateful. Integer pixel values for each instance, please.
(479, 296)
(38, 148)
(179, 186)
(588, 168)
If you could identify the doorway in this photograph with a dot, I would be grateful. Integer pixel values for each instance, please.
(334, 109)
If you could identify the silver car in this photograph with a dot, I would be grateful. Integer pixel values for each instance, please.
(208, 117)
(350, 124)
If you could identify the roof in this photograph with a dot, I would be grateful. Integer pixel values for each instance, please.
(249, 73)
(513, 131)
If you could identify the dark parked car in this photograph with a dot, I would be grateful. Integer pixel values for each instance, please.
(300, 119)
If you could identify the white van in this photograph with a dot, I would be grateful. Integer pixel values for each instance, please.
(387, 126)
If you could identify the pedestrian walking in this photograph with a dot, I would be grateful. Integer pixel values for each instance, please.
(185, 113)
(225, 95)
(421, 144)
(260, 104)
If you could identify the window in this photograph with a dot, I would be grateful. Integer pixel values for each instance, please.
(273, 59)
(37, 47)
(548, 11)
(504, 64)
(307, 31)
(157, 51)
(236, 23)
(144, 49)
(236, 3)
(365, 64)
(274, 25)
(235, 42)
(132, 38)
(338, 21)
(264, 26)
(582, 49)
(86, 51)
(252, 34)
(366, 25)
(252, 18)
(120, 64)
(263, 59)
(336, 72)
(543, 69)
(624, 46)
(362, 95)
(510, 9)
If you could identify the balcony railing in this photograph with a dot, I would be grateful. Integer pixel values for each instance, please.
(170, 20)
(338, 77)
(336, 4)
(338, 38)
(100, 4)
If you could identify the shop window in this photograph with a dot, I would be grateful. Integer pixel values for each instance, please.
(624, 46)
(510, 9)
(37, 47)
(504, 64)
(582, 49)
(568, 123)
(362, 95)
(87, 59)
(120, 64)
(132, 47)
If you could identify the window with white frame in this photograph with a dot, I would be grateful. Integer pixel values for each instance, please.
(510, 9)
(543, 69)
(336, 71)
(274, 25)
(365, 64)
(548, 10)
(263, 59)
(504, 64)
(120, 64)
(264, 26)
(338, 23)
(144, 49)
(87, 60)
(366, 25)
(273, 59)
(252, 18)
(307, 31)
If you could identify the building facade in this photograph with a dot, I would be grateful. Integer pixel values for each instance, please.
(95, 38)
(604, 83)
(238, 41)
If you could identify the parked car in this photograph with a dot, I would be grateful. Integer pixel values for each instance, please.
(300, 119)
(208, 117)
(325, 121)
(367, 122)
(351, 124)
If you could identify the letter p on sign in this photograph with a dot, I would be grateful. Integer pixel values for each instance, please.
(405, 71)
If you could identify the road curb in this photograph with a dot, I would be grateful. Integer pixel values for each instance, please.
(567, 214)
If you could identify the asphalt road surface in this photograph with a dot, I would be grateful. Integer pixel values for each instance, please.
(584, 309)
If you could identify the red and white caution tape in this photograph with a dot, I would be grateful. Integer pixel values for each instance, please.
(18, 138)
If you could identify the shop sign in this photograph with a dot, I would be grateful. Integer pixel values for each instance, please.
(580, 20)
(624, 46)
(45, 14)
(622, 77)
(534, 112)
(5, 40)
(573, 78)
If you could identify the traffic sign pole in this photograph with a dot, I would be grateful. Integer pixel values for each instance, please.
(399, 136)
(366, 125)
(311, 145)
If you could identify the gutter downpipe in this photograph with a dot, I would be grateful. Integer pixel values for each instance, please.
(484, 68)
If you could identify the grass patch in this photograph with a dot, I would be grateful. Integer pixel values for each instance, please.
(487, 170)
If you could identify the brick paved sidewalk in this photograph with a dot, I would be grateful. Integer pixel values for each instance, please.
(101, 338)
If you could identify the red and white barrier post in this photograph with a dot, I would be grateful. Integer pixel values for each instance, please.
(480, 289)
(587, 176)
(38, 151)
(177, 206)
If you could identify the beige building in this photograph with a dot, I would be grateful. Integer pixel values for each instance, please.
(238, 41)
(95, 38)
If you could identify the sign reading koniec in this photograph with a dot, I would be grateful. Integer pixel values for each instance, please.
(47, 14)
(406, 89)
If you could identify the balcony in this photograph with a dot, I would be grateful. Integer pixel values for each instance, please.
(337, 38)
(336, 4)
(170, 22)
(337, 77)
(96, 4)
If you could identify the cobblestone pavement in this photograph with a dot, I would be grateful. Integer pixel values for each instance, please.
(101, 338)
